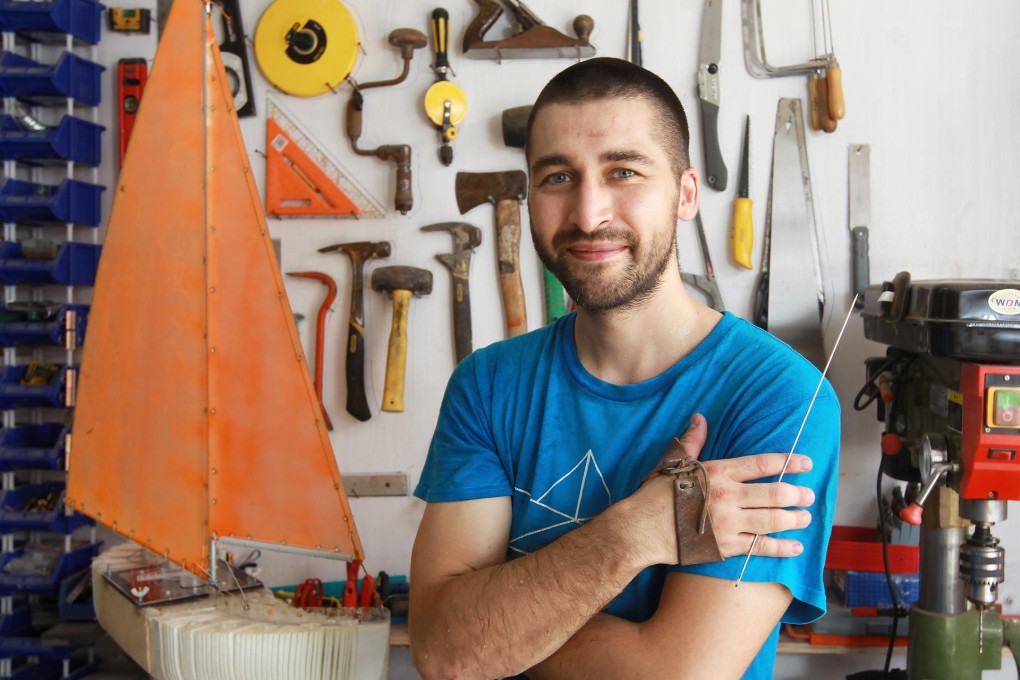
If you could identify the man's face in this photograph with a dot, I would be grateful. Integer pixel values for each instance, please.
(604, 200)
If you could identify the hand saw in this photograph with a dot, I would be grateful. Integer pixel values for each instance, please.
(791, 295)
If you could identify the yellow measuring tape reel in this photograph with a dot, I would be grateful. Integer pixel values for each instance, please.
(306, 47)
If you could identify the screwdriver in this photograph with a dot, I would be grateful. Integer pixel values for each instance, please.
(743, 228)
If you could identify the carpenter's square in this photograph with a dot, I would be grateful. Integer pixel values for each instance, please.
(859, 215)
(707, 283)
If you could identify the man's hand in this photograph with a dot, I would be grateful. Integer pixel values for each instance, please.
(739, 510)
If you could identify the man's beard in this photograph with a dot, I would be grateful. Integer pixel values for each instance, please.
(586, 283)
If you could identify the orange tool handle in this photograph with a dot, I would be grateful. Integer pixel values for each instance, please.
(743, 232)
(367, 598)
(834, 78)
(818, 95)
(350, 597)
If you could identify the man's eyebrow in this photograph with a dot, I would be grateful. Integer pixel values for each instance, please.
(549, 161)
(615, 156)
(630, 155)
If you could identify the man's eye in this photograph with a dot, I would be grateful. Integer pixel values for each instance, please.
(557, 178)
(624, 172)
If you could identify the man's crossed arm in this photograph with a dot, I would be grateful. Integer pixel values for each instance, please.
(475, 615)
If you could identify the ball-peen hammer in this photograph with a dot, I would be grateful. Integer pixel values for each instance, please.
(400, 282)
(466, 237)
(359, 252)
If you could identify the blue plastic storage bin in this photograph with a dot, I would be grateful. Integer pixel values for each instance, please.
(68, 563)
(15, 395)
(74, 265)
(13, 516)
(41, 659)
(51, 332)
(33, 447)
(18, 622)
(72, 139)
(79, 18)
(71, 77)
(71, 201)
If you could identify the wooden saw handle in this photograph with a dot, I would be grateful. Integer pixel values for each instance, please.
(508, 251)
(396, 354)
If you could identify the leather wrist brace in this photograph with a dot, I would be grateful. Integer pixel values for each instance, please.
(695, 537)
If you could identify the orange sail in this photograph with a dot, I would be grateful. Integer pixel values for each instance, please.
(196, 418)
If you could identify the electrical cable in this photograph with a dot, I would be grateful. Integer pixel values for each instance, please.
(896, 609)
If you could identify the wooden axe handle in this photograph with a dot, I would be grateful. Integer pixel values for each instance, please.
(508, 257)
(396, 355)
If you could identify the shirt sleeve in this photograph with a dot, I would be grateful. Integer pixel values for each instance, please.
(462, 462)
(803, 574)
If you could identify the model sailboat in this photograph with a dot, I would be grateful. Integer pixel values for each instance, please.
(196, 418)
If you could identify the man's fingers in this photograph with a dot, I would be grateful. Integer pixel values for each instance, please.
(767, 546)
(771, 495)
(760, 521)
(758, 466)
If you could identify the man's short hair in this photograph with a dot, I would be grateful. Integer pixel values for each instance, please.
(607, 78)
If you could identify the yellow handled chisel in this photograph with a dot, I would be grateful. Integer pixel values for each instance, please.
(743, 227)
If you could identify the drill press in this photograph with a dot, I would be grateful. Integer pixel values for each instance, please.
(950, 388)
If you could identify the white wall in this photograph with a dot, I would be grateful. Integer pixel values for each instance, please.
(929, 85)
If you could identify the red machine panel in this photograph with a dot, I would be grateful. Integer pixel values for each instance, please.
(991, 431)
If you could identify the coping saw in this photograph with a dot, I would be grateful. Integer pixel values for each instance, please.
(825, 77)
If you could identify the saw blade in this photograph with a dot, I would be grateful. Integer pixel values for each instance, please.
(306, 47)
(796, 296)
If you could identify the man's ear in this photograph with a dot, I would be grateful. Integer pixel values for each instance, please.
(687, 206)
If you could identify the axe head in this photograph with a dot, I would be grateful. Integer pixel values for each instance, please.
(475, 188)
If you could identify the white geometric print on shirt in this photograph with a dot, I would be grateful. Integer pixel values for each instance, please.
(570, 501)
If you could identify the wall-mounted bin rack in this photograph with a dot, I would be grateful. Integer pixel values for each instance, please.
(48, 578)
(70, 78)
(17, 622)
(33, 447)
(79, 18)
(15, 395)
(54, 331)
(37, 658)
(74, 265)
(16, 513)
(71, 201)
(72, 139)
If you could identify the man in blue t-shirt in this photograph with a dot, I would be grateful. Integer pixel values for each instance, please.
(546, 549)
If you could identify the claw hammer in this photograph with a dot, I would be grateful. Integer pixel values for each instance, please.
(466, 237)
(320, 332)
(505, 190)
(360, 252)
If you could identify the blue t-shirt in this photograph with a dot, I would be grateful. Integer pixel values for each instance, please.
(523, 418)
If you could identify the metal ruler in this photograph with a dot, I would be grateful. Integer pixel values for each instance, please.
(859, 215)
(795, 293)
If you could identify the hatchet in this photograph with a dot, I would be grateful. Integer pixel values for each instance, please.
(505, 190)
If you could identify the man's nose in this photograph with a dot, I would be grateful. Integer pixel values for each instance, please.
(592, 205)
